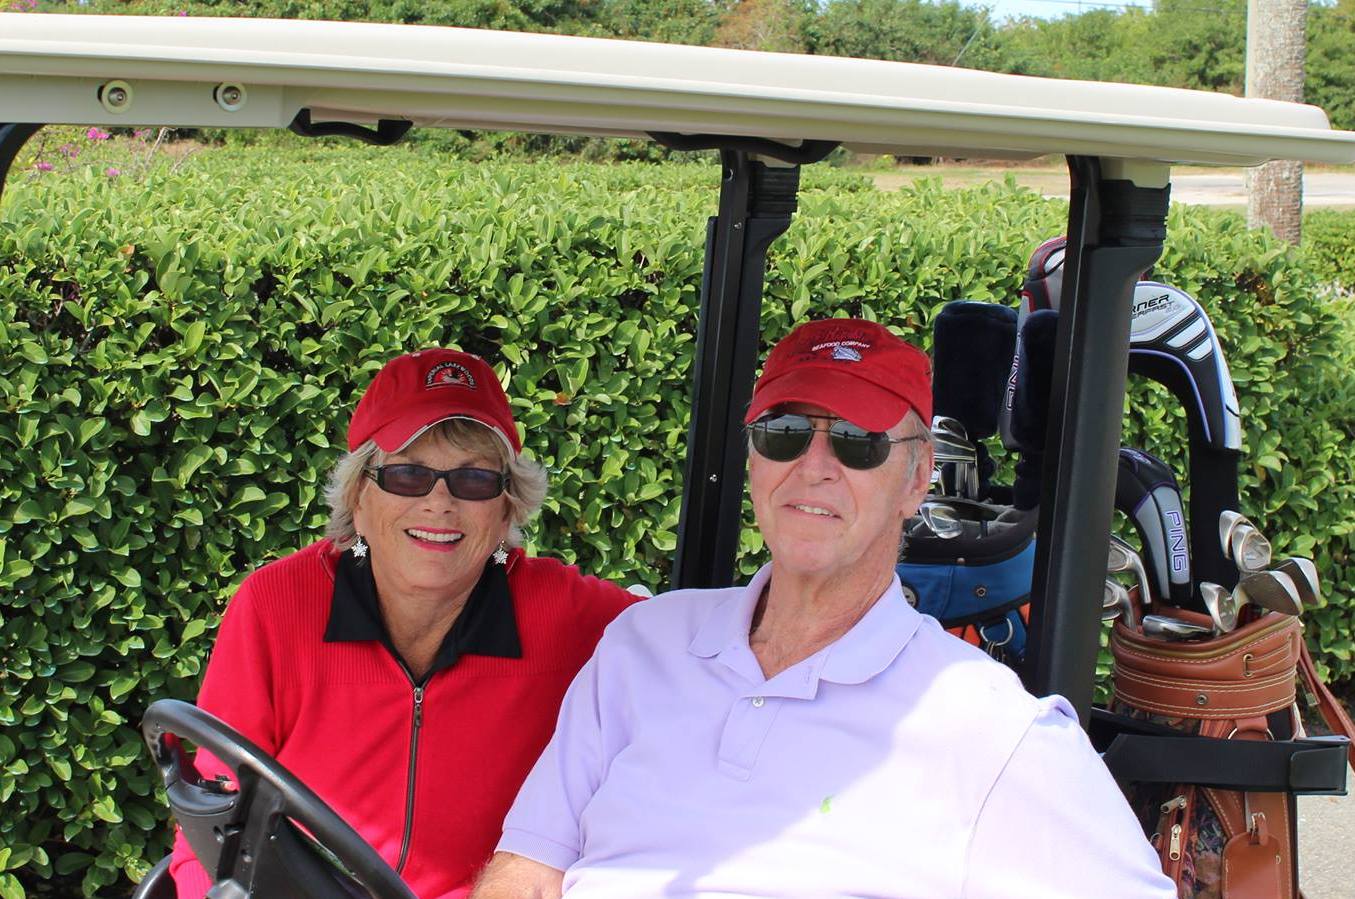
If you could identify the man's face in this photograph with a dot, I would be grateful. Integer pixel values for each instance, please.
(820, 518)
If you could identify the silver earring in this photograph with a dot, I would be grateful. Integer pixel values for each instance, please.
(359, 548)
(501, 554)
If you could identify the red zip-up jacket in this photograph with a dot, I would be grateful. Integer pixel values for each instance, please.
(427, 771)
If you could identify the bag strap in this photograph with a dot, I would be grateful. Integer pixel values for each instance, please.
(1330, 707)
(1311, 766)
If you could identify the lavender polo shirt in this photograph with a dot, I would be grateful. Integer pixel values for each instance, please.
(897, 762)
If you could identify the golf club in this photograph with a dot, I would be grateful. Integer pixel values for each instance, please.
(951, 446)
(1272, 590)
(1122, 557)
(1228, 521)
(941, 519)
(1116, 596)
(1249, 549)
(1173, 628)
(1304, 575)
(1222, 605)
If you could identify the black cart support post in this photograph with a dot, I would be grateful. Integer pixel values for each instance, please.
(1116, 225)
(757, 200)
(12, 139)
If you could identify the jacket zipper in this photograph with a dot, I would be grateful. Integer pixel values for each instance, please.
(413, 761)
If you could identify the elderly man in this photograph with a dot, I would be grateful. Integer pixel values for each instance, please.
(811, 734)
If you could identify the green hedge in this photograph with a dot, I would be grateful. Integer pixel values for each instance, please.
(179, 354)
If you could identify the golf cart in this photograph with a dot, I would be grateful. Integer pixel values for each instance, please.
(767, 115)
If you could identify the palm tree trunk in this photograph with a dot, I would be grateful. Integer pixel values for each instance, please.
(1276, 44)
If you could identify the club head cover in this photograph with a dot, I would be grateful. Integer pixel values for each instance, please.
(1041, 289)
(1146, 491)
(972, 350)
(1034, 380)
(1172, 341)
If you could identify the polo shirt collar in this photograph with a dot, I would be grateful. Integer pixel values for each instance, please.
(486, 626)
(857, 656)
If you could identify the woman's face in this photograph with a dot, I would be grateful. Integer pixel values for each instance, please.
(433, 546)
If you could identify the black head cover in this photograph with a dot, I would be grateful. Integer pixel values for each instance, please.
(1030, 403)
(971, 357)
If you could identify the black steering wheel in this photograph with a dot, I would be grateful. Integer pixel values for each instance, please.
(268, 834)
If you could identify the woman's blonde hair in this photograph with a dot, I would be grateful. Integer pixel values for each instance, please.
(526, 479)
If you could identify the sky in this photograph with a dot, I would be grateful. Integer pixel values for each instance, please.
(1049, 9)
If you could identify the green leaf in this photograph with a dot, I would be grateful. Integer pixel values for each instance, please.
(192, 338)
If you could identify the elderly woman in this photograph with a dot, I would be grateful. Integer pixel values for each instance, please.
(817, 736)
(409, 667)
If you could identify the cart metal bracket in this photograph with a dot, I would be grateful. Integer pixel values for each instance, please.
(796, 154)
(757, 202)
(387, 131)
(1115, 233)
(13, 136)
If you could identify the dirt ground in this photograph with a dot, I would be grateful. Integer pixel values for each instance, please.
(1324, 187)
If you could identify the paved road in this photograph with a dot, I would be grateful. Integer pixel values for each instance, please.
(1225, 189)
(1327, 844)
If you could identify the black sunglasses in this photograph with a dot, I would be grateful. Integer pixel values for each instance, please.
(785, 436)
(419, 480)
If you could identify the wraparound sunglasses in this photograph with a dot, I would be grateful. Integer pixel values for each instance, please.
(419, 480)
(785, 436)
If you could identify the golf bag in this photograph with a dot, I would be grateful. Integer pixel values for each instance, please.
(977, 584)
(1212, 755)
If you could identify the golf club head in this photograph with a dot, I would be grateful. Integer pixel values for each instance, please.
(1249, 549)
(1146, 491)
(1173, 628)
(941, 520)
(1116, 596)
(1122, 557)
(1273, 590)
(1110, 613)
(1228, 522)
(956, 458)
(1221, 605)
(1304, 575)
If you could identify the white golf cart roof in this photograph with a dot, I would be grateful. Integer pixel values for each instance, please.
(52, 68)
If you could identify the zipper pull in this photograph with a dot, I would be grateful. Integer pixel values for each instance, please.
(1173, 804)
(418, 706)
(1174, 847)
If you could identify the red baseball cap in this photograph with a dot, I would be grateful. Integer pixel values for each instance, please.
(413, 392)
(858, 370)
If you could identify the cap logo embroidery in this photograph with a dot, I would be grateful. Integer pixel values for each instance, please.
(842, 350)
(449, 374)
(846, 354)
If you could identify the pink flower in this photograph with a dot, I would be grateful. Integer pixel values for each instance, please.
(97, 134)
(141, 133)
(43, 165)
(70, 151)
(182, 12)
(112, 172)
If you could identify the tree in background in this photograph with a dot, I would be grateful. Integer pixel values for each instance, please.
(777, 26)
(1276, 41)
(942, 33)
(669, 22)
(1330, 81)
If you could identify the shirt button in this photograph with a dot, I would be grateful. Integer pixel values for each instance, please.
(758, 702)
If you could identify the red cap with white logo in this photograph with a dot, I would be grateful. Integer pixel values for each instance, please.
(858, 370)
(413, 392)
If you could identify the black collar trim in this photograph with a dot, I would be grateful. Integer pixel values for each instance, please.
(486, 626)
